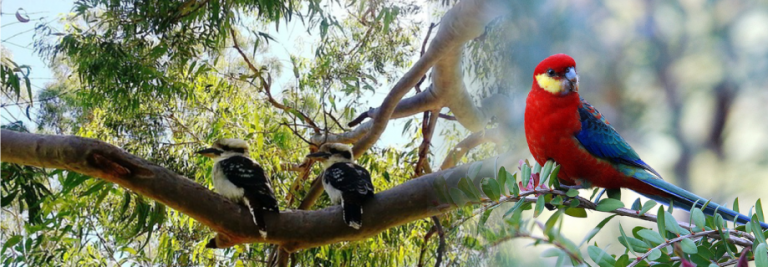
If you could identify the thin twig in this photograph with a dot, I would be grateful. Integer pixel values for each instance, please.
(423, 49)
(670, 242)
(441, 245)
(429, 234)
(336, 121)
(427, 130)
(560, 246)
(447, 117)
(296, 133)
(267, 84)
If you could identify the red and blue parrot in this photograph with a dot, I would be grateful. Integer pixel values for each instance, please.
(562, 126)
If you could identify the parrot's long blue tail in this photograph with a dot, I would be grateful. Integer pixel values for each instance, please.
(682, 198)
(727, 213)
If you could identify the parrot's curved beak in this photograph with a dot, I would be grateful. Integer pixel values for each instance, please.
(571, 82)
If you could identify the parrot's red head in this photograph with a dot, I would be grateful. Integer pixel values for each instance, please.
(556, 75)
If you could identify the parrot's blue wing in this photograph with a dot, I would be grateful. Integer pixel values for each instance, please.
(599, 138)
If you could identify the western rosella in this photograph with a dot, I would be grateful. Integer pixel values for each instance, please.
(562, 126)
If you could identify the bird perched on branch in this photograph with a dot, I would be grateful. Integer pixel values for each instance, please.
(344, 181)
(239, 178)
(562, 126)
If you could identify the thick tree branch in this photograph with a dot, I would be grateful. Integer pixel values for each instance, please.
(294, 230)
(463, 22)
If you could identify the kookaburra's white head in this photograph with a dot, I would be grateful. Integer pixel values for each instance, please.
(225, 148)
(331, 153)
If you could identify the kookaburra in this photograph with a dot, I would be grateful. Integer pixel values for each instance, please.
(239, 178)
(344, 181)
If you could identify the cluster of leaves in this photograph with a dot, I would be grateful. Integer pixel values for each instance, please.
(12, 76)
(703, 242)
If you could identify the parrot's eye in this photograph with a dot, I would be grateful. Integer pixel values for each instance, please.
(551, 73)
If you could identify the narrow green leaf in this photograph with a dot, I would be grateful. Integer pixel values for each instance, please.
(512, 184)
(647, 206)
(11, 242)
(761, 255)
(572, 193)
(576, 212)
(609, 204)
(552, 221)
(557, 201)
(525, 175)
(468, 188)
(8, 198)
(655, 255)
(514, 208)
(484, 217)
(736, 205)
(698, 218)
(757, 230)
(551, 252)
(622, 261)
(636, 205)
(759, 210)
(672, 225)
(688, 246)
(545, 171)
(597, 229)
(501, 179)
(491, 189)
(634, 244)
(539, 206)
(631, 243)
(575, 203)
(553, 181)
(474, 169)
(660, 222)
(599, 256)
(458, 197)
(651, 236)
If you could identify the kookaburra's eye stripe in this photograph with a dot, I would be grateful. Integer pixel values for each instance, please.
(346, 154)
(233, 149)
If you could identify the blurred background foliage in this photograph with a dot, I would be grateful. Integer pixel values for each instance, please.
(682, 81)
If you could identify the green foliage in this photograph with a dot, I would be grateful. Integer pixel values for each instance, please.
(14, 78)
(652, 245)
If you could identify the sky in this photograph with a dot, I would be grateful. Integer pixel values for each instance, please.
(17, 40)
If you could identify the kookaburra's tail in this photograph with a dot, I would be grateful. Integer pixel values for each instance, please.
(257, 206)
(353, 214)
(352, 206)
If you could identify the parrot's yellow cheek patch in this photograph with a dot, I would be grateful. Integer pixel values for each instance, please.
(550, 84)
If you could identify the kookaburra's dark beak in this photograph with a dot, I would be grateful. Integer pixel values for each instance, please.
(572, 80)
(209, 152)
(319, 155)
